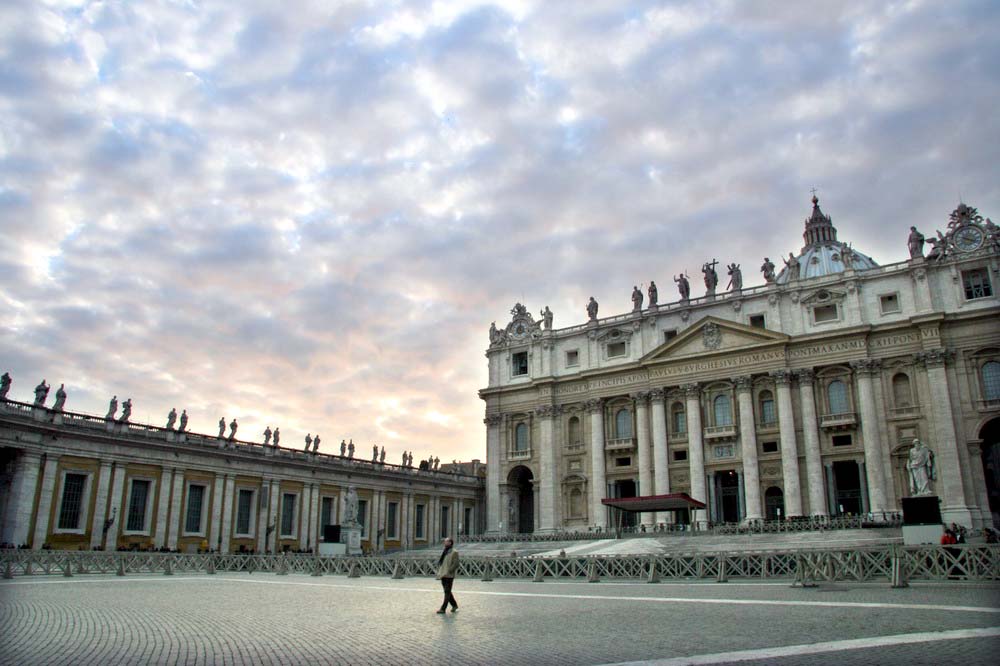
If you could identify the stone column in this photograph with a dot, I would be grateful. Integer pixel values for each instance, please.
(274, 519)
(810, 437)
(21, 504)
(865, 497)
(740, 495)
(642, 442)
(548, 471)
(117, 489)
(598, 515)
(661, 465)
(945, 440)
(263, 500)
(713, 502)
(534, 505)
(432, 521)
(831, 490)
(789, 449)
(229, 489)
(314, 536)
(459, 518)
(215, 526)
(101, 505)
(176, 497)
(865, 369)
(494, 510)
(980, 496)
(42, 516)
(696, 452)
(305, 507)
(748, 447)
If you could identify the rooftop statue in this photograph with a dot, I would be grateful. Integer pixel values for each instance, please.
(232, 429)
(41, 393)
(767, 268)
(735, 277)
(547, 318)
(792, 264)
(381, 455)
(316, 444)
(375, 453)
(683, 286)
(309, 441)
(112, 408)
(592, 309)
(126, 410)
(915, 243)
(636, 299)
(711, 277)
(350, 449)
(267, 435)
(57, 406)
(184, 421)
(171, 418)
(5, 382)
(222, 427)
(277, 436)
(653, 294)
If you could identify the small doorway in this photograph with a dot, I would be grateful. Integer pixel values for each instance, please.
(521, 507)
(847, 482)
(728, 492)
(990, 434)
(774, 503)
(625, 488)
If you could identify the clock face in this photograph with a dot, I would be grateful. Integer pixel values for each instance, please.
(968, 238)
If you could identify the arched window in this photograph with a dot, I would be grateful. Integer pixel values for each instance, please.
(901, 396)
(836, 396)
(521, 437)
(678, 418)
(574, 431)
(623, 424)
(767, 413)
(991, 381)
(576, 503)
(723, 412)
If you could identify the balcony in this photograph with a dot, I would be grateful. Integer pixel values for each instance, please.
(575, 446)
(620, 444)
(678, 436)
(767, 427)
(519, 455)
(904, 412)
(988, 405)
(721, 431)
(838, 421)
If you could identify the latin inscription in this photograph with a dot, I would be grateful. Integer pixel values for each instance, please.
(827, 348)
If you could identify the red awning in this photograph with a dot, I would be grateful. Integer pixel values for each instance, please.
(670, 502)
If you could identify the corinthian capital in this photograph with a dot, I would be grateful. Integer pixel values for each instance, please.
(805, 375)
(657, 395)
(782, 377)
(743, 382)
(691, 390)
(935, 358)
(593, 405)
(545, 411)
(640, 396)
(493, 420)
(866, 367)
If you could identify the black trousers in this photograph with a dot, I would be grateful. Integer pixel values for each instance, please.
(449, 598)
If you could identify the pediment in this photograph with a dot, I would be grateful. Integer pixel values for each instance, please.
(712, 335)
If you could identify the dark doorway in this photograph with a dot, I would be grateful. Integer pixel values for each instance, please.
(522, 505)
(625, 488)
(847, 481)
(990, 434)
(774, 503)
(728, 492)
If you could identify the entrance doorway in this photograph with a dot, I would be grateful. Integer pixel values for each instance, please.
(990, 434)
(521, 502)
(625, 488)
(774, 503)
(847, 482)
(728, 492)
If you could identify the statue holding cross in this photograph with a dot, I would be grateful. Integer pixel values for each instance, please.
(711, 277)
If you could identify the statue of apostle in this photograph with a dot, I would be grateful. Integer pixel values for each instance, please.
(920, 466)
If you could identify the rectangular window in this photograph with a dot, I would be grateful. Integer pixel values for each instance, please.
(768, 415)
(326, 515)
(669, 335)
(362, 517)
(444, 521)
(467, 524)
(519, 364)
(616, 349)
(572, 358)
(976, 284)
(418, 523)
(195, 504)
(824, 313)
(757, 321)
(623, 462)
(391, 518)
(138, 498)
(71, 509)
(288, 514)
(244, 512)
(889, 303)
(681, 455)
(769, 447)
(842, 440)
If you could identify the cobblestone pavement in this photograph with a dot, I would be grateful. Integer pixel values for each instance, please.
(268, 619)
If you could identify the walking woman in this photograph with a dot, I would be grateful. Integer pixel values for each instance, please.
(447, 568)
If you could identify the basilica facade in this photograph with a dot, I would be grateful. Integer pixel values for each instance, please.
(798, 398)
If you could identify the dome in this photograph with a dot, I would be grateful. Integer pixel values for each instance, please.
(823, 254)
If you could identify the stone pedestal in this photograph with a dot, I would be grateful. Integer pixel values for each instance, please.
(350, 536)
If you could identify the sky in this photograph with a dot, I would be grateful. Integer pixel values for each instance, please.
(305, 215)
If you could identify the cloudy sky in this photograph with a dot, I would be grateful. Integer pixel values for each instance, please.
(306, 214)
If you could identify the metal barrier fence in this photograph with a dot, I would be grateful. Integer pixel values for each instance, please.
(894, 563)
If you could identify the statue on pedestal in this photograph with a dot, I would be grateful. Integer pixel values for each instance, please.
(222, 427)
(232, 430)
(112, 408)
(592, 309)
(636, 299)
(309, 441)
(315, 443)
(381, 455)
(921, 469)
(915, 243)
(547, 318)
(711, 277)
(374, 452)
(57, 406)
(5, 383)
(171, 418)
(735, 277)
(683, 286)
(767, 268)
(277, 436)
(184, 421)
(437, 463)
(126, 411)
(792, 264)
(267, 435)
(343, 448)
(653, 294)
(350, 449)
(41, 393)
(351, 507)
